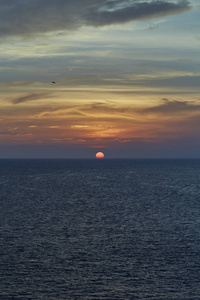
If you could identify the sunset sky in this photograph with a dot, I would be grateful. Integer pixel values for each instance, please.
(127, 78)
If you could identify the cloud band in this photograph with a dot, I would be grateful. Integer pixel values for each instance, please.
(31, 17)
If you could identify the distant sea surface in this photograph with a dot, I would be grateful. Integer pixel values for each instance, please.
(100, 229)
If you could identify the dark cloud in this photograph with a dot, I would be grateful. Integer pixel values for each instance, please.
(173, 106)
(30, 17)
(136, 11)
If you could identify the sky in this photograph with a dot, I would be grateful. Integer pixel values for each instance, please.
(126, 73)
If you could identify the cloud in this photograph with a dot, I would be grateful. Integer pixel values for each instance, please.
(70, 79)
(80, 126)
(136, 11)
(25, 17)
(173, 106)
(14, 84)
(30, 97)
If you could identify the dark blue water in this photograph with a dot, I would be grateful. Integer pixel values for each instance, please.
(100, 229)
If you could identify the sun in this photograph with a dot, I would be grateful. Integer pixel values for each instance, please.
(99, 155)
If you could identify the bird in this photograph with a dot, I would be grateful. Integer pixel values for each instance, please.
(53, 82)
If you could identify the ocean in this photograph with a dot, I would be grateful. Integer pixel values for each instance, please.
(100, 229)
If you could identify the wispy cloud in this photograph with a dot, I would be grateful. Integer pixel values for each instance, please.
(41, 16)
(14, 84)
(162, 75)
(30, 97)
(173, 106)
(71, 79)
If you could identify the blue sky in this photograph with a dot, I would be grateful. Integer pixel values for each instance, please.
(127, 78)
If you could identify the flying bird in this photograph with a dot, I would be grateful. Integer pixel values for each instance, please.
(53, 82)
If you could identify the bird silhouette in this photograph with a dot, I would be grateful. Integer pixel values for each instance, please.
(53, 82)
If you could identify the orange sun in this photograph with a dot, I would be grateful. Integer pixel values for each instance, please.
(99, 155)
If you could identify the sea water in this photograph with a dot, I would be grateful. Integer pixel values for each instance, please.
(100, 229)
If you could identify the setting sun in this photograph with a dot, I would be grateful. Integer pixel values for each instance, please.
(99, 155)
